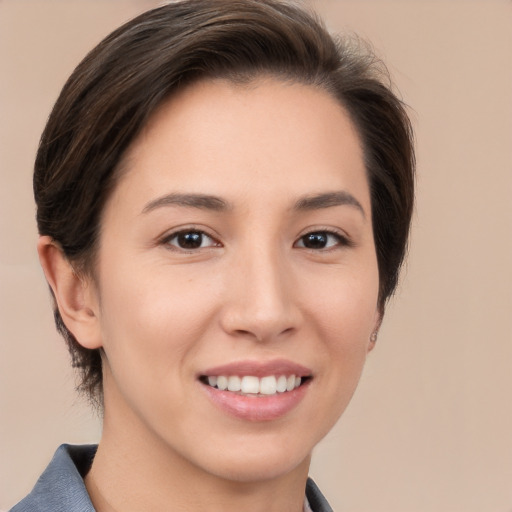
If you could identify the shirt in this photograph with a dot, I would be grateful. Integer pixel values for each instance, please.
(61, 487)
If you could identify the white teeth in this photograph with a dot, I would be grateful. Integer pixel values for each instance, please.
(269, 385)
(234, 383)
(250, 384)
(281, 384)
(222, 382)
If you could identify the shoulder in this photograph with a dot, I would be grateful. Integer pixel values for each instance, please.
(61, 487)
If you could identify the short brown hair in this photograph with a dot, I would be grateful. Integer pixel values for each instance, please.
(120, 83)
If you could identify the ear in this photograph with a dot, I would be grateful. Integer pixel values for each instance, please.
(75, 296)
(379, 314)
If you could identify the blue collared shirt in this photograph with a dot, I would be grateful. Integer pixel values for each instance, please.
(61, 487)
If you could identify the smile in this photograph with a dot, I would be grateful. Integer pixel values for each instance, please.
(257, 391)
(252, 385)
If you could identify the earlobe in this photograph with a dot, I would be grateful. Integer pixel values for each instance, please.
(74, 295)
(375, 333)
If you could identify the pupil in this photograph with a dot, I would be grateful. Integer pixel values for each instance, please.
(315, 241)
(190, 240)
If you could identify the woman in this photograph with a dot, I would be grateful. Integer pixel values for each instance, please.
(224, 195)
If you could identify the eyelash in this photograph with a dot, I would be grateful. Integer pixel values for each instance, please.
(340, 240)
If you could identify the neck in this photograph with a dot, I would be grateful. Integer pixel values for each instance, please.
(135, 470)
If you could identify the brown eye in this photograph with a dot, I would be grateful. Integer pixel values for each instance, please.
(190, 240)
(318, 240)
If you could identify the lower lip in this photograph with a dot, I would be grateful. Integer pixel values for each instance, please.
(256, 408)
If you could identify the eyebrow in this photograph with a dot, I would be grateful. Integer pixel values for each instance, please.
(209, 202)
(328, 200)
(200, 201)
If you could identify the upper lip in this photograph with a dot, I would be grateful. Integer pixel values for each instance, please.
(259, 369)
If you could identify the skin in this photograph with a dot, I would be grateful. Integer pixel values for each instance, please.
(255, 290)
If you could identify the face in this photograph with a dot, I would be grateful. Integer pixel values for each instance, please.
(236, 282)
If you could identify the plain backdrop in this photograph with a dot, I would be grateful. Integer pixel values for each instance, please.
(430, 427)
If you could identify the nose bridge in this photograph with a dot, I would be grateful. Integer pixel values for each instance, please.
(262, 302)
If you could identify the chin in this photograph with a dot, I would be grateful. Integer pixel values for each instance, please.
(248, 470)
(256, 460)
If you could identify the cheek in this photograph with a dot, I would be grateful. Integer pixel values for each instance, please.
(346, 314)
(151, 320)
(344, 303)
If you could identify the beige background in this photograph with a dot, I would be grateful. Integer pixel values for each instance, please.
(430, 428)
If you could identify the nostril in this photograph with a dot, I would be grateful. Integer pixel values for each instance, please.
(263, 335)
(246, 334)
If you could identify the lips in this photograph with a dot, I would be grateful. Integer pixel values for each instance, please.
(256, 391)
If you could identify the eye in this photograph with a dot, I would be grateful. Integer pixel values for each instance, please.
(318, 240)
(190, 239)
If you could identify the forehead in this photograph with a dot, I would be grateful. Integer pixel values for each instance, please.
(275, 136)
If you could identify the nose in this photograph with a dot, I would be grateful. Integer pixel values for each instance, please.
(261, 303)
